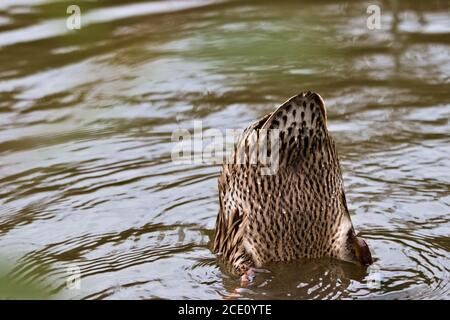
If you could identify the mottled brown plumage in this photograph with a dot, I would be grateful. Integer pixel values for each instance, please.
(298, 212)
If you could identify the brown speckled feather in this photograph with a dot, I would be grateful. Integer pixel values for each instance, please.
(299, 212)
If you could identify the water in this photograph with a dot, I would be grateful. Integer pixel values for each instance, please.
(86, 118)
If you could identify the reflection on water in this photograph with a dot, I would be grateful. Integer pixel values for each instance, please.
(86, 118)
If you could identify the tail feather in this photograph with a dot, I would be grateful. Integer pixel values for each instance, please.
(301, 124)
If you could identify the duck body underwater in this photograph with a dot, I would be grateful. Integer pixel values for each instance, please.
(299, 211)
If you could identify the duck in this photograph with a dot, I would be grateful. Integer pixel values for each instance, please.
(297, 212)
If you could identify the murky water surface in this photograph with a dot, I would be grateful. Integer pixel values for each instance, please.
(86, 118)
